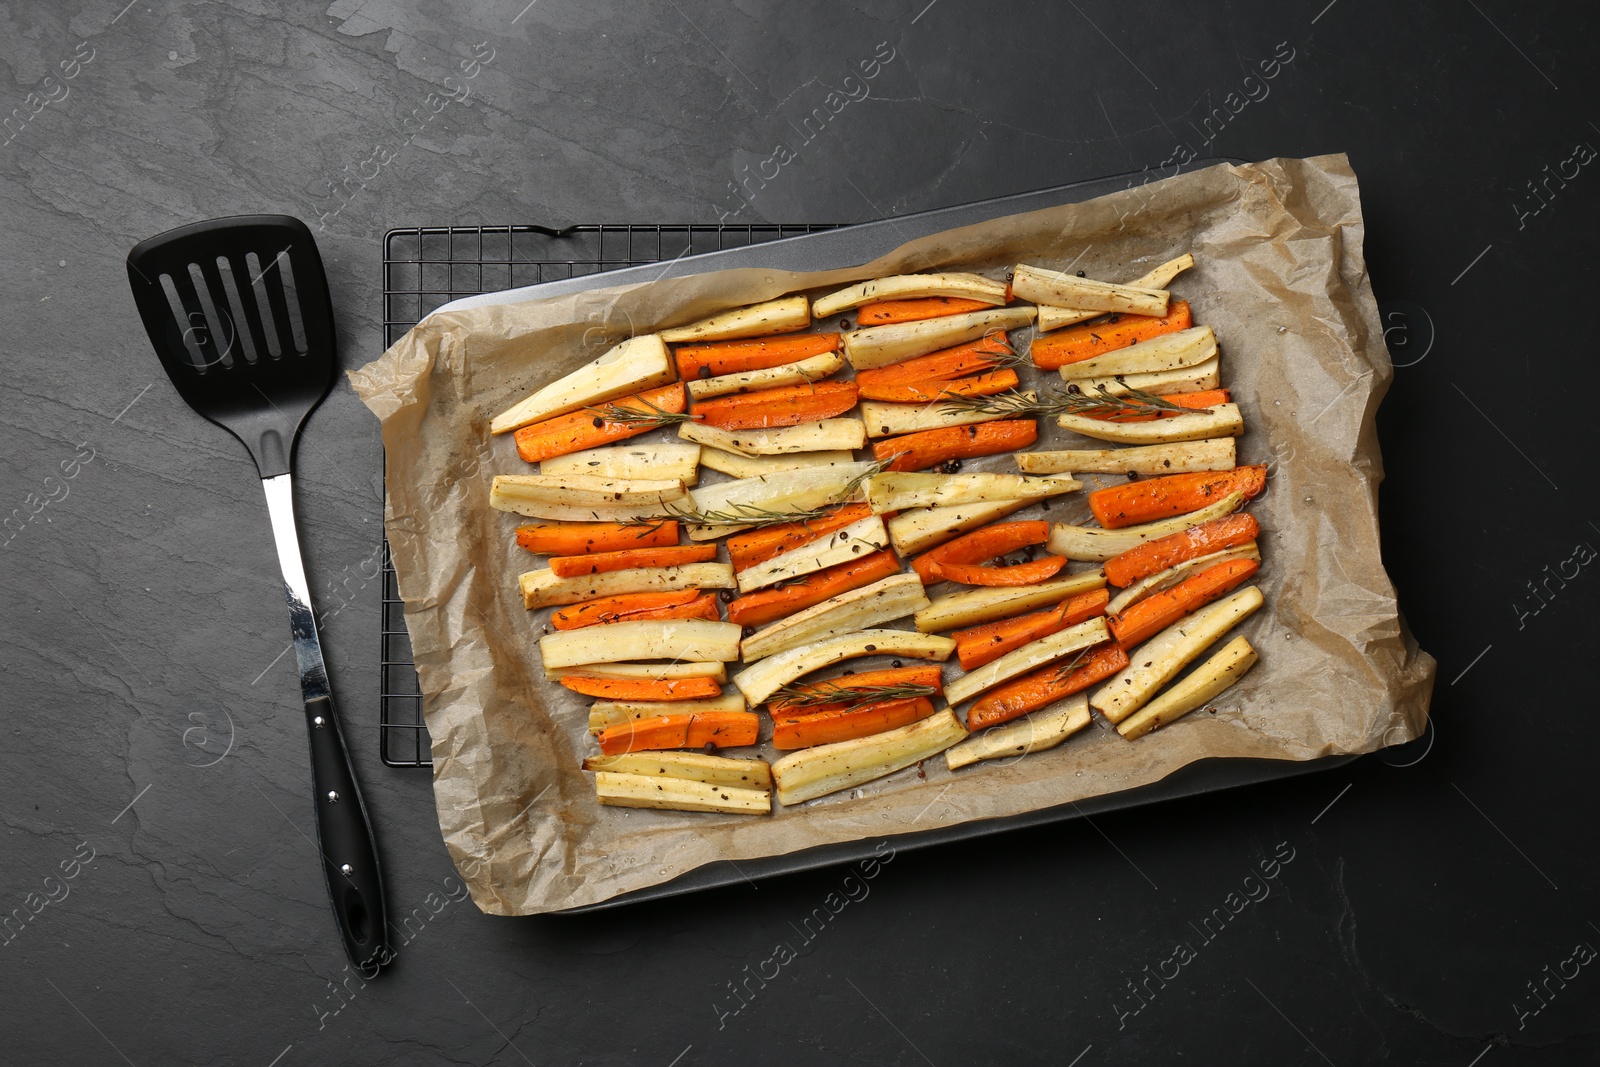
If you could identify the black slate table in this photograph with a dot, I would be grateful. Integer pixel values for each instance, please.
(1431, 904)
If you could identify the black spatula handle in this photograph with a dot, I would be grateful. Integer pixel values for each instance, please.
(344, 835)
(349, 859)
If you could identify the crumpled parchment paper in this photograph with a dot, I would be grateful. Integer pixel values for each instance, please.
(1281, 278)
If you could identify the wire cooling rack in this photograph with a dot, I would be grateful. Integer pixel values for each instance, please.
(426, 266)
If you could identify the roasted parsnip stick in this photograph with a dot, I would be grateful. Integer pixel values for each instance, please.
(1200, 687)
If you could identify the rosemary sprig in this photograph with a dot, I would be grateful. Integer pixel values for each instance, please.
(756, 516)
(1065, 670)
(655, 416)
(811, 694)
(1070, 401)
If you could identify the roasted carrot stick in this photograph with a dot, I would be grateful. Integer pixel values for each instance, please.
(826, 727)
(984, 644)
(758, 546)
(736, 357)
(642, 688)
(722, 729)
(576, 538)
(980, 545)
(929, 307)
(940, 366)
(637, 607)
(1145, 618)
(769, 605)
(1087, 340)
(930, 391)
(919, 451)
(1205, 398)
(1144, 560)
(1043, 687)
(1022, 574)
(585, 429)
(1173, 494)
(927, 674)
(599, 562)
(788, 406)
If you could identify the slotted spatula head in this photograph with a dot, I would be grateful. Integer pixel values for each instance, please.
(238, 311)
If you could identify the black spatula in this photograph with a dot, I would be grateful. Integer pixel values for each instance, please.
(238, 311)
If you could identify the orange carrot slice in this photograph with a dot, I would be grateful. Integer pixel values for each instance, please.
(736, 357)
(642, 688)
(758, 546)
(1099, 336)
(721, 729)
(769, 605)
(1173, 494)
(1144, 619)
(600, 562)
(930, 391)
(928, 674)
(929, 448)
(576, 538)
(929, 307)
(987, 643)
(584, 429)
(823, 728)
(980, 545)
(637, 607)
(768, 408)
(1043, 688)
(1141, 561)
(940, 366)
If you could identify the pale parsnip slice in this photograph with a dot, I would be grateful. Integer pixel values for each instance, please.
(1170, 351)
(910, 287)
(872, 605)
(1070, 291)
(1225, 420)
(677, 794)
(1160, 277)
(1044, 729)
(691, 766)
(636, 364)
(665, 461)
(1154, 583)
(1053, 318)
(1097, 545)
(585, 498)
(860, 538)
(887, 420)
(881, 346)
(658, 671)
(898, 490)
(543, 589)
(1217, 454)
(823, 435)
(973, 607)
(1204, 375)
(604, 714)
(619, 642)
(810, 369)
(1029, 657)
(767, 494)
(760, 681)
(736, 466)
(1158, 661)
(919, 528)
(815, 772)
(1202, 686)
(784, 315)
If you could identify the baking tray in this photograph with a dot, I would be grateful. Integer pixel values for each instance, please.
(827, 248)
